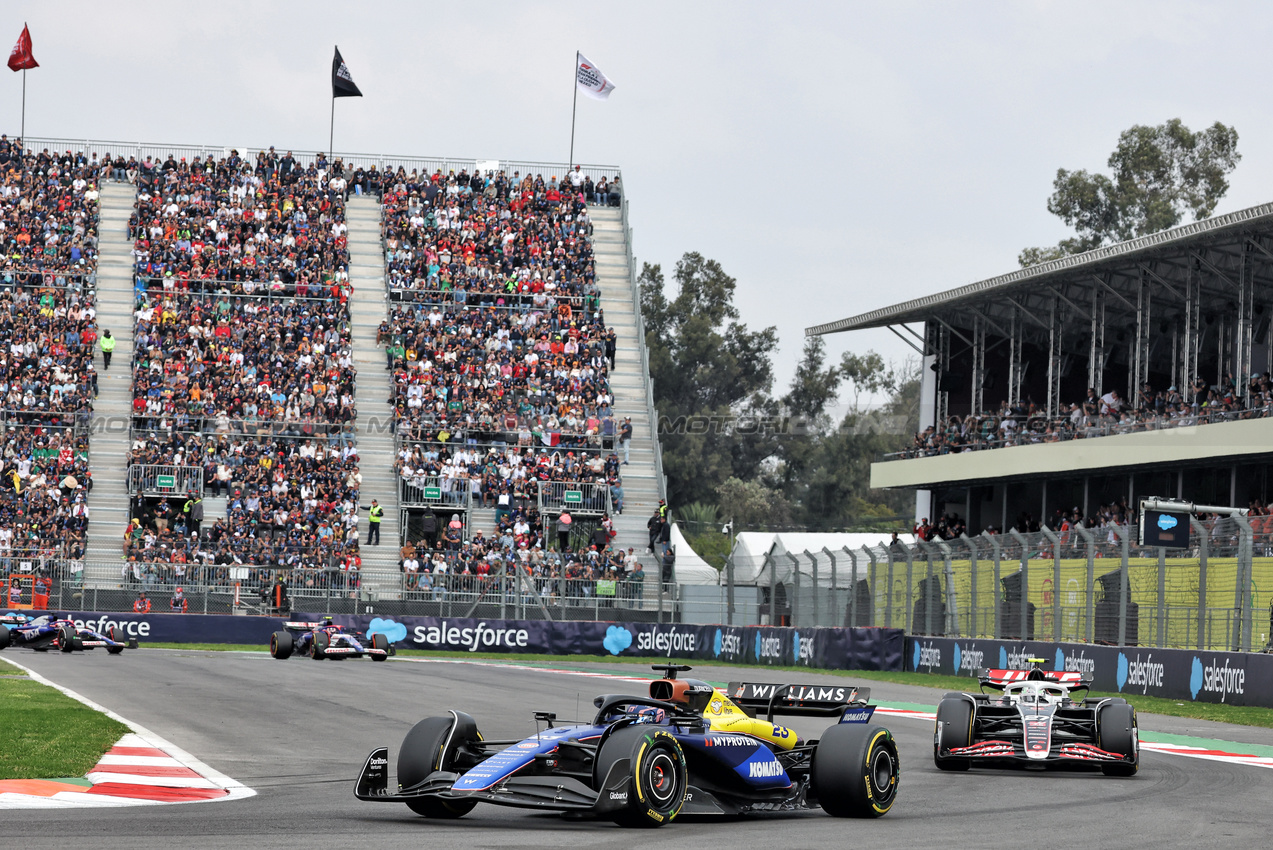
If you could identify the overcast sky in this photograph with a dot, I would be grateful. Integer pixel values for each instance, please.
(834, 157)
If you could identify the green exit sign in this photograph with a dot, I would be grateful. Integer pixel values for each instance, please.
(166, 482)
(573, 497)
(433, 492)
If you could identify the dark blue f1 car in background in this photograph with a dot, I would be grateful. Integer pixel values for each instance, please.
(687, 748)
(53, 631)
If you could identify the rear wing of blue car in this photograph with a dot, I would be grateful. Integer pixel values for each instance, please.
(803, 700)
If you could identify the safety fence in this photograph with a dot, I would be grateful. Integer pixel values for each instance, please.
(215, 589)
(1082, 585)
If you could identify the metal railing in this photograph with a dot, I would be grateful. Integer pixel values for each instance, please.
(47, 279)
(1084, 585)
(164, 480)
(659, 475)
(159, 152)
(575, 497)
(435, 491)
(210, 290)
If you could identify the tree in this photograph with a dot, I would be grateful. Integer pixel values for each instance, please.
(706, 367)
(1159, 174)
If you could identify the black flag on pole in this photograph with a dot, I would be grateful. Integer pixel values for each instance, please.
(342, 83)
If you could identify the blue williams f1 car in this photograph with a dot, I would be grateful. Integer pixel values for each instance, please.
(52, 631)
(687, 748)
(1034, 722)
(325, 640)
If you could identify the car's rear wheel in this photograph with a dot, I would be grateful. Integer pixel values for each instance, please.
(658, 779)
(423, 751)
(855, 771)
(4, 637)
(112, 635)
(281, 645)
(322, 640)
(954, 729)
(1116, 731)
(380, 641)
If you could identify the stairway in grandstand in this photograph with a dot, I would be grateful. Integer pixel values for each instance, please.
(628, 382)
(375, 439)
(108, 502)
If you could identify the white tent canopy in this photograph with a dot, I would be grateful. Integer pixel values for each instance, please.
(751, 547)
(690, 568)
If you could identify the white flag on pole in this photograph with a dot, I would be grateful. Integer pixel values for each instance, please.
(590, 79)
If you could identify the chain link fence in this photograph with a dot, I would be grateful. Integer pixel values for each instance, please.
(1083, 585)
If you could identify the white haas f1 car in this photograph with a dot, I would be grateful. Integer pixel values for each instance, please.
(323, 639)
(1034, 722)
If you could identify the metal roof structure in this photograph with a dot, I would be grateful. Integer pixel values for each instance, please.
(1211, 252)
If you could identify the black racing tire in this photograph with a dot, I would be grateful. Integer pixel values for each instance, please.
(420, 755)
(658, 779)
(66, 639)
(954, 722)
(5, 639)
(111, 635)
(1116, 733)
(322, 640)
(379, 641)
(281, 645)
(856, 771)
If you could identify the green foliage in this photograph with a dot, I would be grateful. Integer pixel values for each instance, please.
(752, 504)
(1159, 174)
(46, 734)
(712, 547)
(706, 367)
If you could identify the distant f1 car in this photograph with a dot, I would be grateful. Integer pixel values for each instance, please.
(325, 640)
(1035, 723)
(53, 631)
(687, 748)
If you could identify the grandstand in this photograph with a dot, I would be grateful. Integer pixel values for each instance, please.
(298, 336)
(1055, 398)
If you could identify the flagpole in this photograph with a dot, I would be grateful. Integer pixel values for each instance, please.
(573, 106)
(331, 136)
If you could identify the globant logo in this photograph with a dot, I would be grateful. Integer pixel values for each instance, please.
(617, 639)
(1212, 679)
(802, 647)
(1135, 673)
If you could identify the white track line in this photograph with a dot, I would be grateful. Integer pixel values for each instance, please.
(235, 790)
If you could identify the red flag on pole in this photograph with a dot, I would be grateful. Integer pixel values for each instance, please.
(21, 57)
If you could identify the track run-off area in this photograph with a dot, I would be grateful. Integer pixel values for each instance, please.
(296, 732)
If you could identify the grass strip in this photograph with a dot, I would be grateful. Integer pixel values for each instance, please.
(46, 734)
(7, 669)
(1240, 715)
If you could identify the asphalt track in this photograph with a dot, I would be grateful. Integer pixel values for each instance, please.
(298, 731)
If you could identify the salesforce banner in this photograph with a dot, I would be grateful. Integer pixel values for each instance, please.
(859, 649)
(1237, 678)
(179, 628)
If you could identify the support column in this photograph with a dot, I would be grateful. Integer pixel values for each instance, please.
(1054, 358)
(1189, 364)
(1242, 366)
(976, 404)
(1096, 353)
(1139, 361)
(1014, 358)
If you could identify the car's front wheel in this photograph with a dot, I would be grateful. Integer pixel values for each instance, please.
(658, 779)
(425, 750)
(856, 771)
(1116, 728)
(113, 635)
(953, 729)
(380, 641)
(322, 640)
